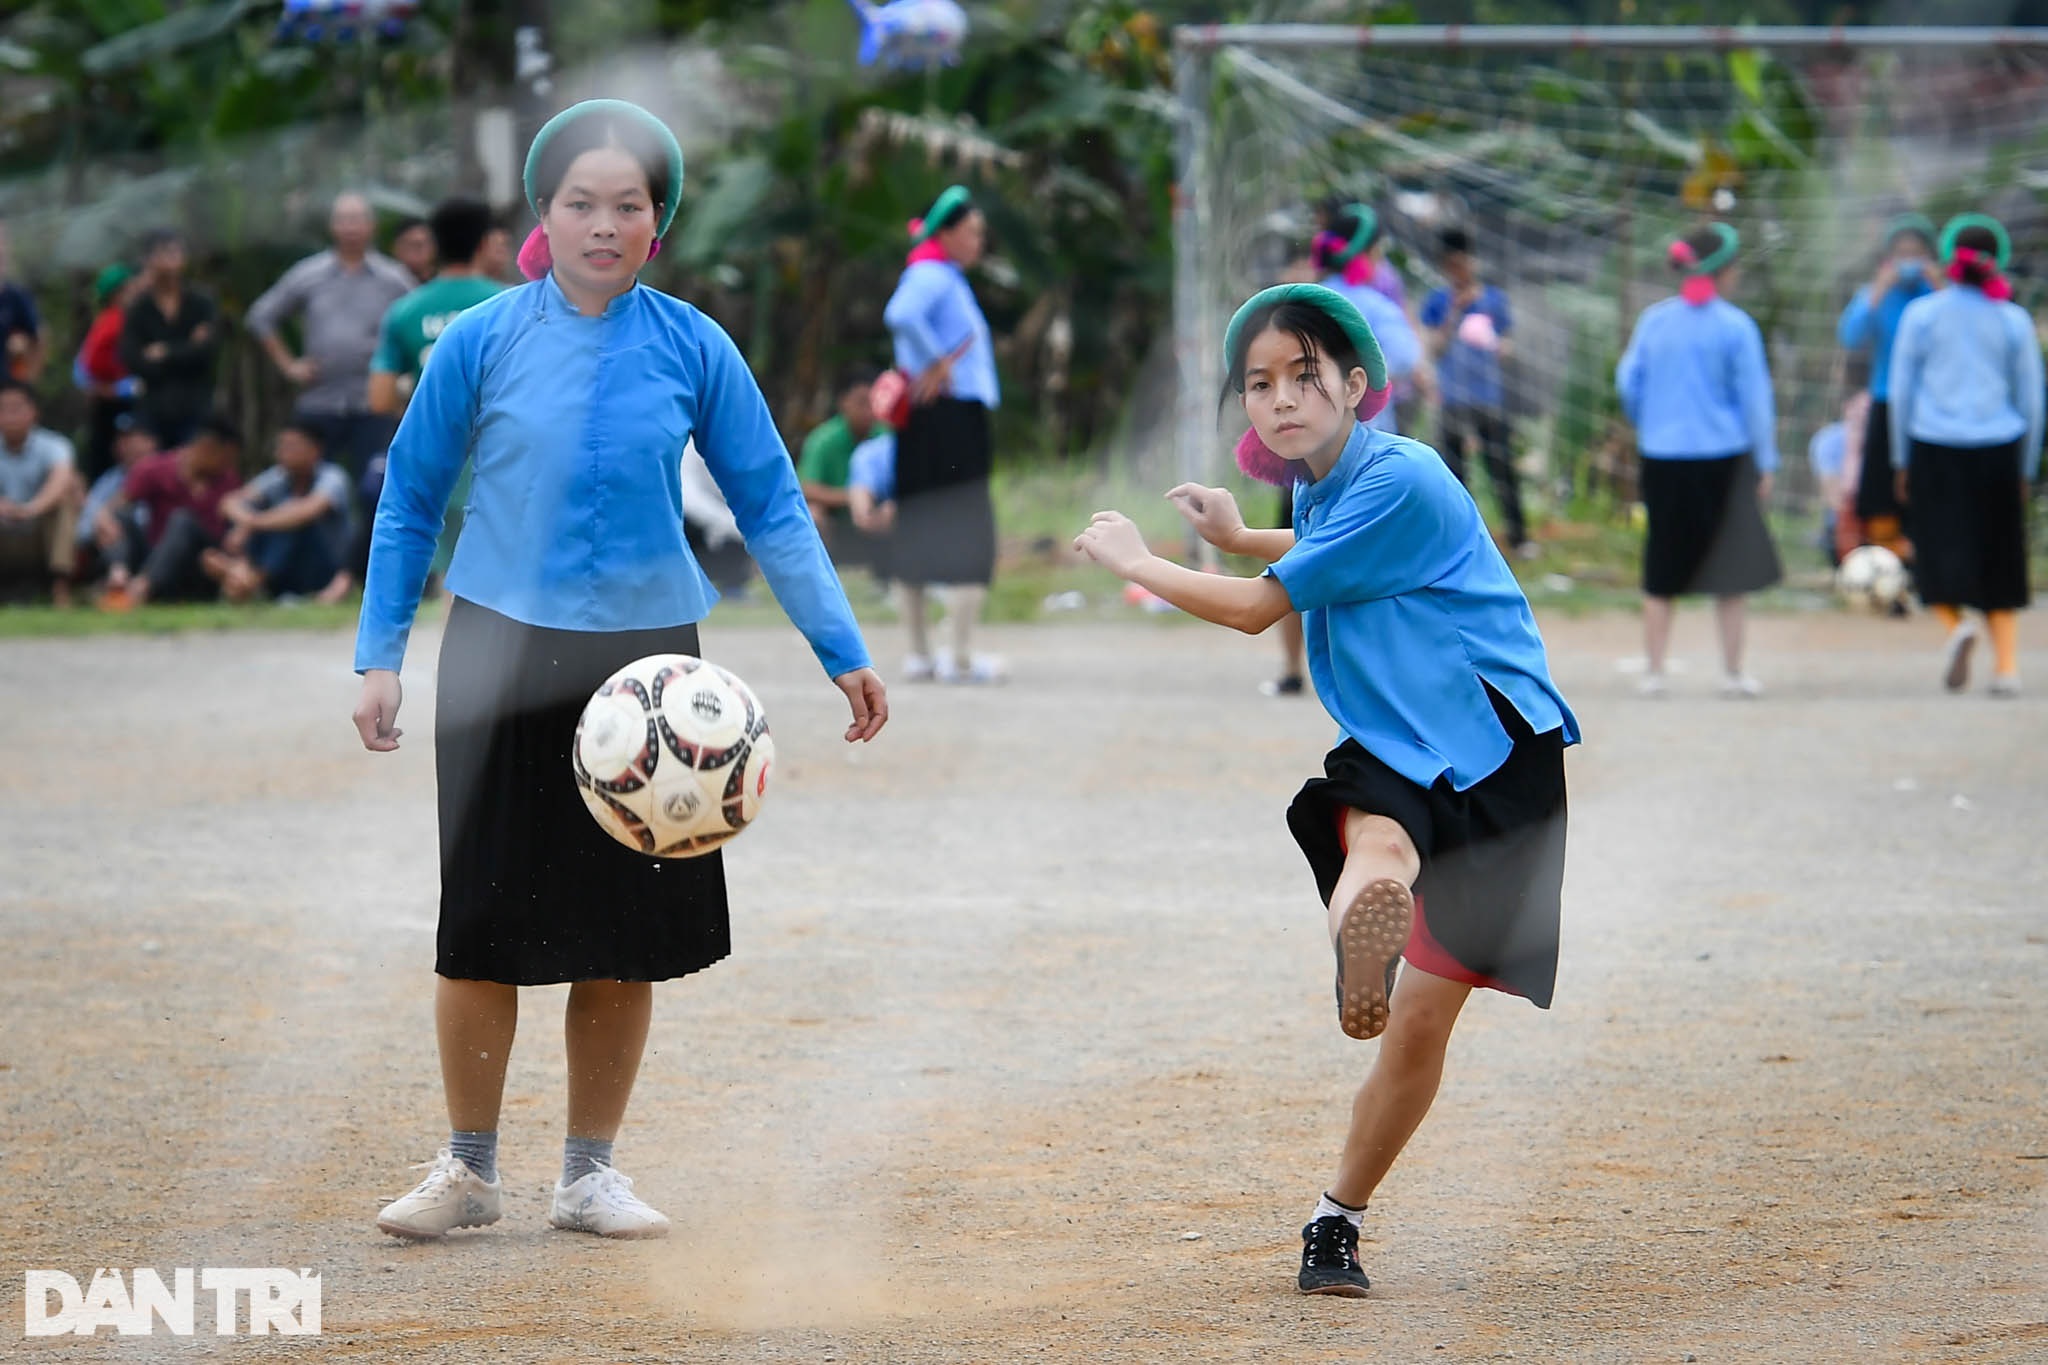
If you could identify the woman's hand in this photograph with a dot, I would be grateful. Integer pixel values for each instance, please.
(1899, 486)
(931, 385)
(1211, 511)
(869, 700)
(1764, 484)
(377, 711)
(1113, 541)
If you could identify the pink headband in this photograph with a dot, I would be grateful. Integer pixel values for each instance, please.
(1358, 270)
(1995, 285)
(926, 250)
(535, 260)
(1256, 460)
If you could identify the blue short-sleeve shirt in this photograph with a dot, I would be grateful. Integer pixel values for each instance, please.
(1409, 612)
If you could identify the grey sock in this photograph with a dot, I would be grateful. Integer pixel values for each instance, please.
(581, 1156)
(478, 1151)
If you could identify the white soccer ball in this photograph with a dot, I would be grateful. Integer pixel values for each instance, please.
(1872, 579)
(672, 756)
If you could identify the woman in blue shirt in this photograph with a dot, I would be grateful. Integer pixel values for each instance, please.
(1967, 408)
(945, 520)
(1695, 383)
(1447, 786)
(573, 398)
(1868, 324)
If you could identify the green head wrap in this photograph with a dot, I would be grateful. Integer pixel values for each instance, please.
(1341, 310)
(620, 109)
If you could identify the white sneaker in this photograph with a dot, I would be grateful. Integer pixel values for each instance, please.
(2005, 685)
(603, 1202)
(452, 1196)
(917, 668)
(1955, 674)
(1652, 685)
(981, 669)
(1741, 687)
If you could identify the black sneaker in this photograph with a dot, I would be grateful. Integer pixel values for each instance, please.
(1289, 686)
(1329, 1259)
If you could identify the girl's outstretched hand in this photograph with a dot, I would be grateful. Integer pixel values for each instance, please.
(869, 700)
(1113, 541)
(1211, 511)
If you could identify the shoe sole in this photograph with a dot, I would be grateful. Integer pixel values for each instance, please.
(1958, 675)
(1370, 939)
(406, 1234)
(641, 1235)
(1341, 1291)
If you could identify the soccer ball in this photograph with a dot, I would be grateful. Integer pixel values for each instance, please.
(1872, 579)
(672, 756)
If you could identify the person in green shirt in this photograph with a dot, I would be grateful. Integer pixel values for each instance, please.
(825, 468)
(462, 231)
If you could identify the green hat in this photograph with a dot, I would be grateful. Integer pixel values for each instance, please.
(1731, 242)
(1913, 224)
(1957, 224)
(1342, 311)
(623, 109)
(1362, 236)
(945, 206)
(107, 281)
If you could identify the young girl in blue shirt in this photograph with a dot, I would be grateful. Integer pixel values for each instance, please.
(1437, 830)
(1967, 420)
(1695, 383)
(573, 397)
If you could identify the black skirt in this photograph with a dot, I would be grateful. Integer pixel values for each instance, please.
(945, 521)
(1969, 526)
(533, 892)
(1491, 890)
(1707, 532)
(1877, 493)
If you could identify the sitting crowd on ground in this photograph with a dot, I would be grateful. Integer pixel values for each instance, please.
(149, 504)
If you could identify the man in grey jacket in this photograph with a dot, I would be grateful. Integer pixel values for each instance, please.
(339, 296)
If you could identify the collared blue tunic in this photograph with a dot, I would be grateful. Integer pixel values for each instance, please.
(576, 426)
(1695, 383)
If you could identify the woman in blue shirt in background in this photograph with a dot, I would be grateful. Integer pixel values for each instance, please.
(574, 397)
(1967, 408)
(1695, 384)
(945, 520)
(1868, 324)
(1448, 783)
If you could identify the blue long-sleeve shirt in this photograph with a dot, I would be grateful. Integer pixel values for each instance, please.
(1871, 326)
(931, 313)
(1696, 386)
(1392, 561)
(1966, 371)
(576, 427)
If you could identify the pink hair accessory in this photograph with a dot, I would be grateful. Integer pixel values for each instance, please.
(1699, 290)
(536, 260)
(1256, 460)
(1995, 285)
(1683, 254)
(1358, 271)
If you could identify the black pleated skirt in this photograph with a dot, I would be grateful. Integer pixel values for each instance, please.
(1969, 526)
(1491, 892)
(945, 520)
(1707, 533)
(533, 892)
(1877, 492)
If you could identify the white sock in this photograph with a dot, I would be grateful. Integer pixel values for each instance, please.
(1327, 1207)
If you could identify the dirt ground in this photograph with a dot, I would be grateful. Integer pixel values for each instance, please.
(1026, 1050)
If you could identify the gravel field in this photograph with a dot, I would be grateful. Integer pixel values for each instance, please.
(1026, 1049)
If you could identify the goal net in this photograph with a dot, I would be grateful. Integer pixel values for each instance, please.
(1571, 160)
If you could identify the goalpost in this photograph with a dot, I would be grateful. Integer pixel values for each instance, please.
(1571, 155)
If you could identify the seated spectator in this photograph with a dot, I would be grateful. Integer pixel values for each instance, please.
(179, 495)
(288, 528)
(97, 369)
(38, 500)
(871, 485)
(99, 538)
(823, 469)
(711, 528)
